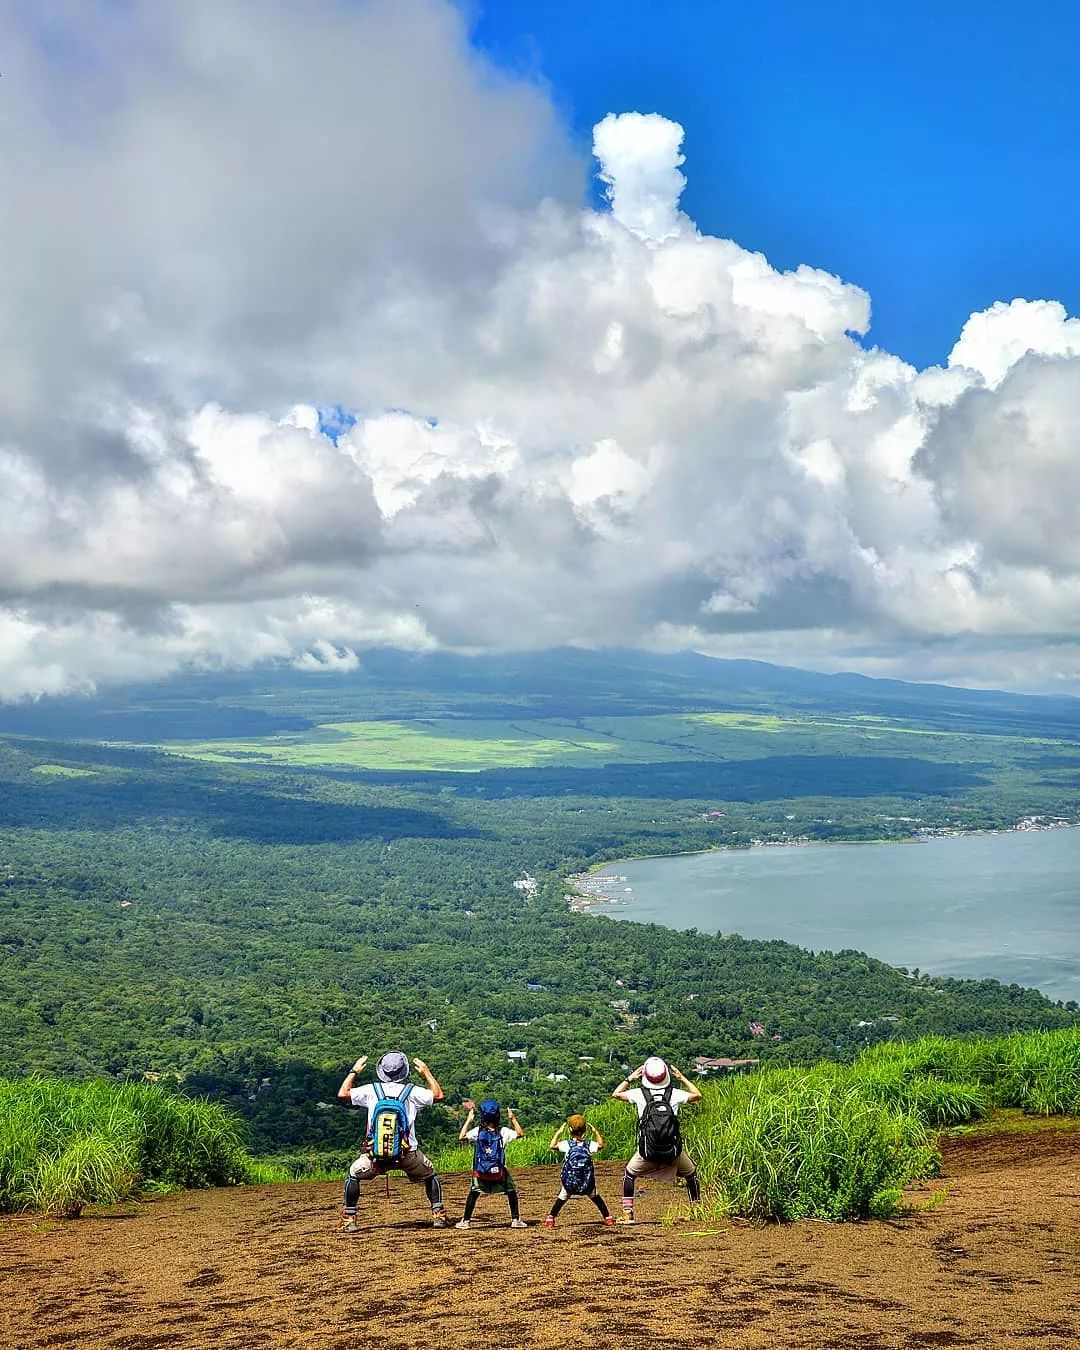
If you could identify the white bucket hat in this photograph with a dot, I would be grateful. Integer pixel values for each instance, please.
(656, 1073)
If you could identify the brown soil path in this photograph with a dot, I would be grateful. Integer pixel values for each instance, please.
(995, 1263)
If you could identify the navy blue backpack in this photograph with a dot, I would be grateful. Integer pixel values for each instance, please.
(578, 1173)
(489, 1154)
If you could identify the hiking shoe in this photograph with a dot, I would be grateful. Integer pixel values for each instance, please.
(628, 1217)
(348, 1224)
(609, 1222)
(463, 1223)
(549, 1222)
(518, 1223)
(439, 1218)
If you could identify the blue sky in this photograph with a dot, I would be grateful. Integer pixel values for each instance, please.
(925, 152)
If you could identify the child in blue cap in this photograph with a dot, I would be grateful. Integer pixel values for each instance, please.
(489, 1140)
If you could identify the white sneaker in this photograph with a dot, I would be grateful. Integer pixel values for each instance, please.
(463, 1223)
(518, 1223)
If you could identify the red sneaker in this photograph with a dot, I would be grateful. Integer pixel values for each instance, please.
(609, 1222)
(549, 1222)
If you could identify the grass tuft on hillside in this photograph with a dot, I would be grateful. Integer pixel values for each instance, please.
(64, 1146)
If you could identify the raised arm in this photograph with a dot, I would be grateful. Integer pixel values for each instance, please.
(554, 1145)
(624, 1087)
(344, 1092)
(695, 1093)
(429, 1078)
(597, 1135)
(466, 1127)
(515, 1122)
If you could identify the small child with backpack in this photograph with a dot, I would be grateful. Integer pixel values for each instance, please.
(578, 1173)
(660, 1151)
(489, 1140)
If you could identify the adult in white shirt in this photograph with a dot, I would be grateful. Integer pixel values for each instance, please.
(393, 1082)
(657, 1101)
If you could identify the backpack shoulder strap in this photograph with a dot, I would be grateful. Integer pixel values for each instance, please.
(404, 1095)
(667, 1094)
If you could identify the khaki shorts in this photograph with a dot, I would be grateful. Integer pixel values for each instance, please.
(683, 1166)
(416, 1166)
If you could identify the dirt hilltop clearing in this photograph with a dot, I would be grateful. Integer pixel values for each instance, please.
(994, 1261)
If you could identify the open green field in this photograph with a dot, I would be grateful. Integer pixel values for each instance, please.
(472, 744)
(61, 771)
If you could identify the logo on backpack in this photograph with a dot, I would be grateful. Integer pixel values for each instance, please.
(489, 1154)
(388, 1128)
(578, 1173)
(659, 1135)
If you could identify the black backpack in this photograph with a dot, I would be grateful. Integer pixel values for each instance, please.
(659, 1138)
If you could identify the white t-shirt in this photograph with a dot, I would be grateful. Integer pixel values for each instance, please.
(563, 1146)
(508, 1135)
(417, 1099)
(637, 1096)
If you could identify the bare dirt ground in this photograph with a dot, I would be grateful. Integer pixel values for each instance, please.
(994, 1261)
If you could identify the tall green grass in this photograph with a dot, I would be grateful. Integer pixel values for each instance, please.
(813, 1144)
(1038, 1071)
(64, 1146)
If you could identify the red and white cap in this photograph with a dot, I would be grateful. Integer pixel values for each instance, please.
(656, 1072)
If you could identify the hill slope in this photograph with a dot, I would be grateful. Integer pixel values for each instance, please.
(991, 1262)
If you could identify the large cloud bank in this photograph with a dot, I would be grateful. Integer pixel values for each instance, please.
(573, 426)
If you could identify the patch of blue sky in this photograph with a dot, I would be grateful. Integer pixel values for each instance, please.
(925, 152)
(335, 420)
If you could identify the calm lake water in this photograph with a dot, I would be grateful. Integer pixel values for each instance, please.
(999, 905)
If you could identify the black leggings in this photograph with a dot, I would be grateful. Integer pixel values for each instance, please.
(473, 1196)
(594, 1196)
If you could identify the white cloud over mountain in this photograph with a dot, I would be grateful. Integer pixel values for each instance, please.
(574, 426)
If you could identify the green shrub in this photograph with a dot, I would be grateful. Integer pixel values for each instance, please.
(64, 1145)
(791, 1145)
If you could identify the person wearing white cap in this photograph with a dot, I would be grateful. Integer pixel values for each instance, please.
(660, 1152)
(392, 1104)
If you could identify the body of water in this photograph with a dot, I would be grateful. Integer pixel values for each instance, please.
(1005, 906)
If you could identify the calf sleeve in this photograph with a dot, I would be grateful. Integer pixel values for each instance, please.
(693, 1188)
(433, 1186)
(512, 1200)
(352, 1194)
(598, 1201)
(628, 1184)
(556, 1206)
(470, 1203)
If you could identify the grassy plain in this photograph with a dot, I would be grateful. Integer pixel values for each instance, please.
(471, 744)
(61, 771)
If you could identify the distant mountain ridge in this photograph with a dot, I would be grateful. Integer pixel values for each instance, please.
(567, 682)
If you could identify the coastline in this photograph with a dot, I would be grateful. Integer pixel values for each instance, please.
(584, 895)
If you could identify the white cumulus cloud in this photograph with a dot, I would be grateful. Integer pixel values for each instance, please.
(572, 425)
